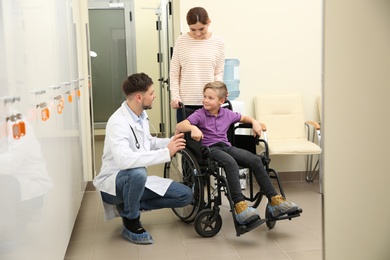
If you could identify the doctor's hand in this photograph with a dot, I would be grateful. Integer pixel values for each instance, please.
(176, 144)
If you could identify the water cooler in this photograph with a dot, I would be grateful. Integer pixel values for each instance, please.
(231, 78)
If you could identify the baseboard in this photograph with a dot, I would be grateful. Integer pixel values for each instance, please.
(90, 187)
(294, 176)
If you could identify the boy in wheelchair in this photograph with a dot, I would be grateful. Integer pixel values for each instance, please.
(210, 124)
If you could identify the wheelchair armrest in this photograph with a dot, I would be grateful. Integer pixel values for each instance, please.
(194, 146)
(314, 124)
(242, 125)
(257, 138)
(317, 126)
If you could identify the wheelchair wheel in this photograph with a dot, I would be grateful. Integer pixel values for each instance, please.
(183, 168)
(206, 225)
(270, 223)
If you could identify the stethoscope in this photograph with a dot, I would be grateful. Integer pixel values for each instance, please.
(136, 139)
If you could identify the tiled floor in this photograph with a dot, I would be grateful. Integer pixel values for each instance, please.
(298, 239)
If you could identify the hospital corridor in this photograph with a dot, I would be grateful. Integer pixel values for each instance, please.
(91, 93)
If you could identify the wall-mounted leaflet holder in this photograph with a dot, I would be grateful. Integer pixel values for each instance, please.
(80, 84)
(76, 90)
(60, 105)
(18, 126)
(68, 93)
(59, 98)
(45, 112)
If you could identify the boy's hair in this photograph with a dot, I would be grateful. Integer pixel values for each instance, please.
(217, 86)
(138, 82)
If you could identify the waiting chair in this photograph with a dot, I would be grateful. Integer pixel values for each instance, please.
(287, 132)
(316, 137)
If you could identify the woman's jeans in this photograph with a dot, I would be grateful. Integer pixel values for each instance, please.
(132, 196)
(229, 157)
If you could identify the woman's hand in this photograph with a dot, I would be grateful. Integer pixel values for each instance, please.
(175, 103)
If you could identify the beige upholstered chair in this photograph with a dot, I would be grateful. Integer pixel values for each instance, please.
(287, 132)
(317, 133)
(316, 137)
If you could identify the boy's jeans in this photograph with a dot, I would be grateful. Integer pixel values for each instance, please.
(230, 157)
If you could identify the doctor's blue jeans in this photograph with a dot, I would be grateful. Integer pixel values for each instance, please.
(132, 196)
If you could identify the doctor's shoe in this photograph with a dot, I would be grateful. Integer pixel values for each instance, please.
(143, 238)
(280, 206)
(134, 232)
(245, 214)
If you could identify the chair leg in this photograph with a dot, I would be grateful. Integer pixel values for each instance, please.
(311, 172)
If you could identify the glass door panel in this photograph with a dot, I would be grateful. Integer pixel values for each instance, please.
(108, 61)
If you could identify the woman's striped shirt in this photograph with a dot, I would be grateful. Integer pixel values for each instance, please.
(194, 64)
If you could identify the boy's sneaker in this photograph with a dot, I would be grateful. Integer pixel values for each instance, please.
(248, 215)
(279, 206)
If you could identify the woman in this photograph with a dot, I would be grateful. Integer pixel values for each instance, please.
(198, 58)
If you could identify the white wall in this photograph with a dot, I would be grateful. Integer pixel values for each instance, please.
(279, 45)
(42, 173)
(356, 129)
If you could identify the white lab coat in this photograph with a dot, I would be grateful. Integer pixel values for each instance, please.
(120, 151)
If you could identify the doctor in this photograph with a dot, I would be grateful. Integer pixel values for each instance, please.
(128, 149)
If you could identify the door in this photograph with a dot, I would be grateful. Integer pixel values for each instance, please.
(166, 42)
(113, 58)
(109, 61)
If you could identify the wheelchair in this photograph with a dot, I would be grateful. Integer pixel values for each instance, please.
(194, 167)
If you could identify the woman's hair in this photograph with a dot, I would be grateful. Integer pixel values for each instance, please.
(219, 87)
(138, 82)
(197, 14)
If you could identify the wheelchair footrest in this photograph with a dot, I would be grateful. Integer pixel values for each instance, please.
(291, 215)
(242, 229)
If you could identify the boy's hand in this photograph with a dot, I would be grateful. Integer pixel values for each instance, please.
(256, 128)
(176, 144)
(196, 134)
